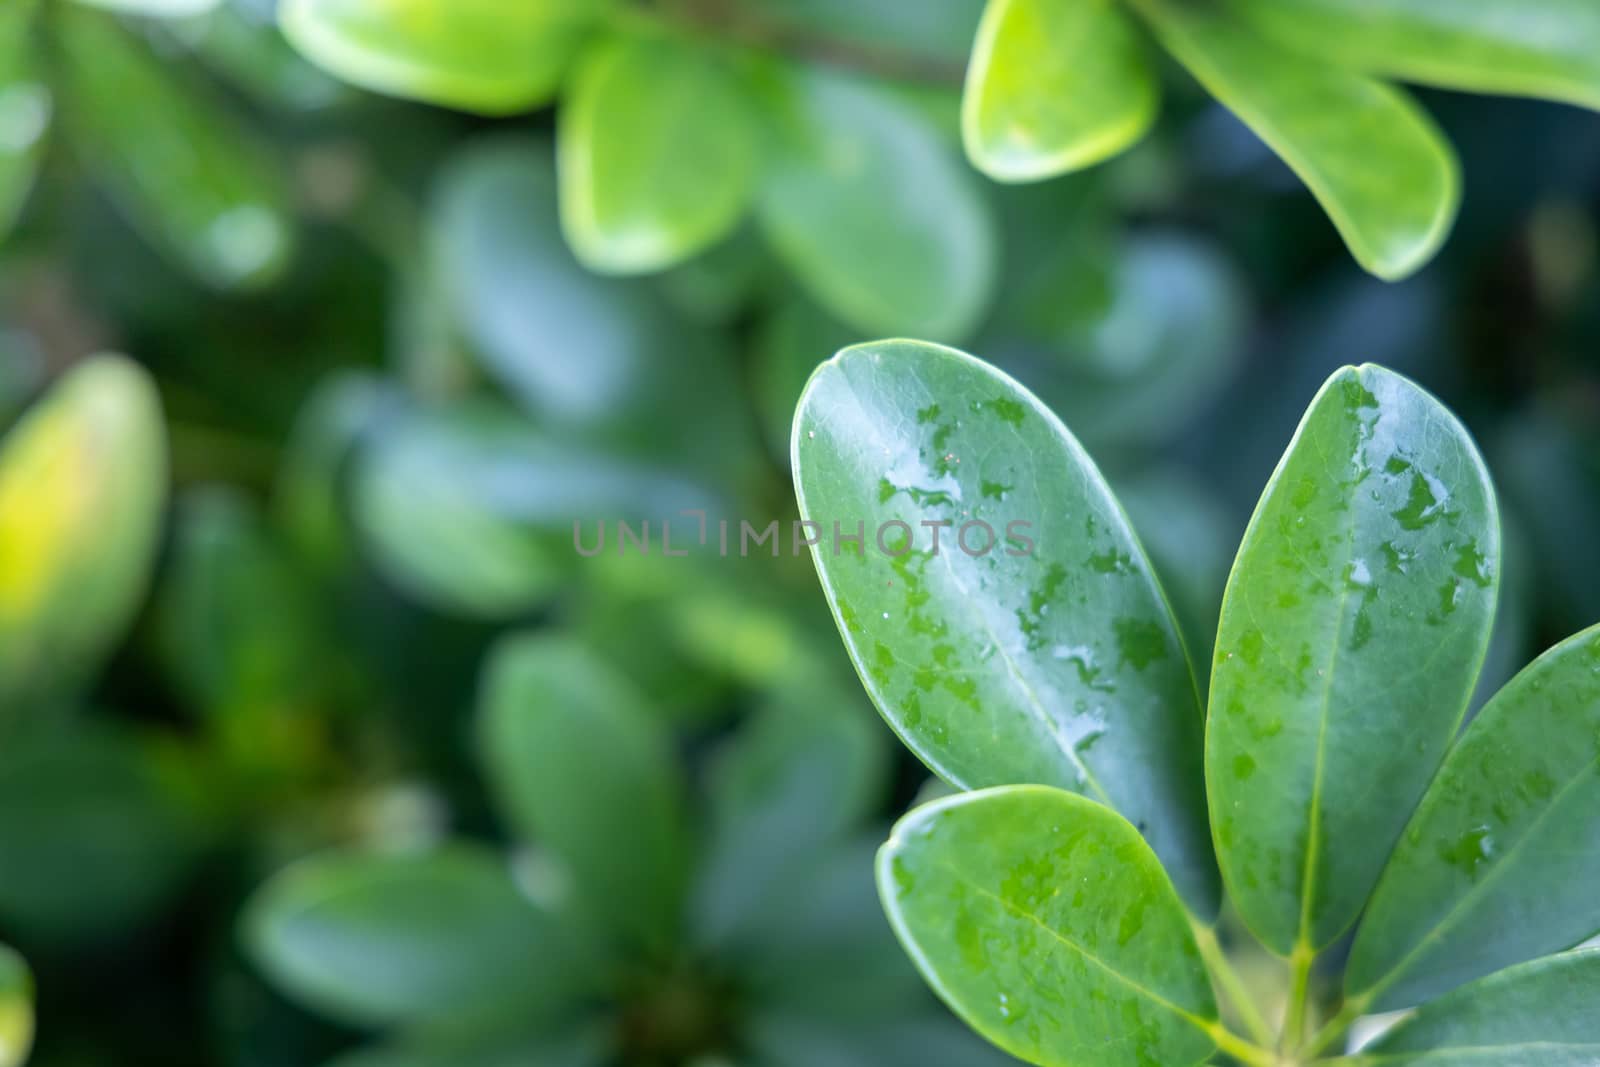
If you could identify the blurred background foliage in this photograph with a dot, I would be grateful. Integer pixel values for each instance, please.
(318, 739)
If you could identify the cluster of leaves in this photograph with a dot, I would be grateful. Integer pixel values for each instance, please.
(1072, 919)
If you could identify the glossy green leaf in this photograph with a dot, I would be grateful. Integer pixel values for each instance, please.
(16, 1009)
(1353, 628)
(1379, 166)
(1055, 86)
(82, 486)
(1035, 645)
(872, 211)
(1500, 861)
(658, 153)
(192, 180)
(582, 769)
(1543, 48)
(494, 57)
(1540, 1014)
(1044, 920)
(155, 8)
(381, 938)
(25, 111)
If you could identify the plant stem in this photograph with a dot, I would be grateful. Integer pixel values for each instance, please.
(1294, 1022)
(1335, 1028)
(1233, 987)
(1242, 1050)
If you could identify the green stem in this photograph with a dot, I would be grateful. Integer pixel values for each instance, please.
(1335, 1027)
(1242, 1050)
(1294, 1022)
(1232, 986)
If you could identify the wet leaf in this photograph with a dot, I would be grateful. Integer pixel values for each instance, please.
(489, 56)
(1055, 86)
(583, 770)
(16, 1009)
(82, 486)
(1024, 905)
(1035, 644)
(1353, 629)
(1542, 48)
(1505, 842)
(194, 182)
(380, 938)
(658, 153)
(1540, 1014)
(872, 211)
(1381, 169)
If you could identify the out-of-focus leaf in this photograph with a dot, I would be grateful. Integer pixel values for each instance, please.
(797, 778)
(490, 56)
(1540, 1014)
(495, 1047)
(381, 938)
(927, 38)
(1024, 904)
(1055, 86)
(96, 832)
(1353, 629)
(188, 176)
(1034, 650)
(1381, 169)
(796, 337)
(1543, 48)
(873, 212)
(583, 769)
(1505, 840)
(82, 485)
(16, 1009)
(793, 1040)
(155, 8)
(25, 109)
(473, 510)
(242, 42)
(657, 151)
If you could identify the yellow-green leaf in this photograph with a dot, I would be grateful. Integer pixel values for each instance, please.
(16, 1009)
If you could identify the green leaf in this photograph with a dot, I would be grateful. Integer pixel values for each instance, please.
(494, 57)
(1542, 48)
(519, 1046)
(192, 180)
(1540, 1014)
(382, 938)
(1379, 166)
(1040, 648)
(582, 768)
(155, 8)
(658, 153)
(82, 486)
(25, 111)
(1353, 629)
(16, 1009)
(794, 1040)
(872, 211)
(1055, 86)
(1505, 840)
(1045, 921)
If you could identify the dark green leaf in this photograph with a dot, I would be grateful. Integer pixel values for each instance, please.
(931, 1041)
(1500, 862)
(522, 1046)
(1055, 86)
(583, 769)
(1039, 648)
(1383, 172)
(1353, 629)
(1045, 921)
(658, 153)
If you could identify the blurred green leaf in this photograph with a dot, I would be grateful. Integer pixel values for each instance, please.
(495, 57)
(582, 769)
(82, 486)
(1503, 841)
(658, 153)
(1540, 1014)
(794, 339)
(1543, 48)
(156, 8)
(382, 938)
(545, 1046)
(196, 183)
(1055, 86)
(926, 35)
(1380, 167)
(1023, 904)
(930, 1041)
(872, 211)
(1353, 629)
(25, 111)
(1037, 651)
(16, 1009)
(243, 43)
(96, 832)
